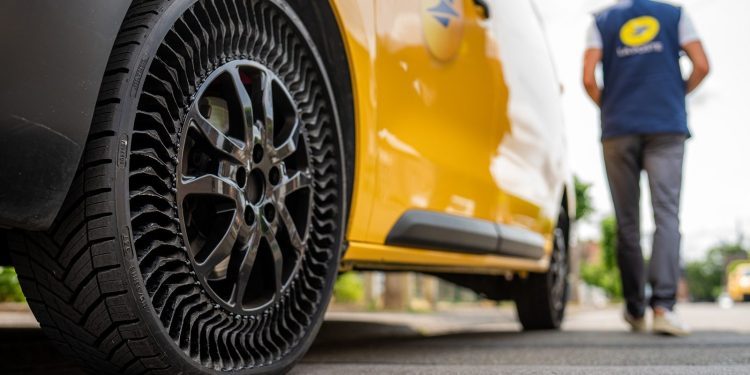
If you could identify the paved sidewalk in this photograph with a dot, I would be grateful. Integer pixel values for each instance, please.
(16, 315)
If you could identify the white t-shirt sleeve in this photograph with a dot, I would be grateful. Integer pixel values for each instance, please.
(686, 30)
(593, 37)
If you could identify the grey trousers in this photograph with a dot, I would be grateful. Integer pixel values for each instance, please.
(661, 156)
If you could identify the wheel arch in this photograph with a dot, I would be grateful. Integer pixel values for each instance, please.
(48, 100)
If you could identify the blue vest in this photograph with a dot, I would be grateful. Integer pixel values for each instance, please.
(644, 92)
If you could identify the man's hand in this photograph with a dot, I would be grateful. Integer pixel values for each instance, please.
(697, 55)
(591, 59)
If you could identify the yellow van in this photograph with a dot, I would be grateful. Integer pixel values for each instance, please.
(738, 282)
(181, 181)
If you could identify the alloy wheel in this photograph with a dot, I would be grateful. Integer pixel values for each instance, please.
(559, 271)
(244, 186)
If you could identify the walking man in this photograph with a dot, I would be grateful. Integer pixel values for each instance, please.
(644, 127)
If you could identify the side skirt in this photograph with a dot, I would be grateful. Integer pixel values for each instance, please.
(444, 232)
(370, 257)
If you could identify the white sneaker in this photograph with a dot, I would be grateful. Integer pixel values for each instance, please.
(667, 323)
(636, 324)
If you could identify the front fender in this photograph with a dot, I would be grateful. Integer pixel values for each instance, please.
(54, 56)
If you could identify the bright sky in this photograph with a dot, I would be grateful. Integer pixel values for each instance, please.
(716, 193)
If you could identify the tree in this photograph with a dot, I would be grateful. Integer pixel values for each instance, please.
(584, 206)
(705, 278)
(605, 273)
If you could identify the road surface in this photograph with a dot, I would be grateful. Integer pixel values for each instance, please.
(474, 341)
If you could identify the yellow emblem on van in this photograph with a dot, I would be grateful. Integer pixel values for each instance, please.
(639, 31)
(443, 27)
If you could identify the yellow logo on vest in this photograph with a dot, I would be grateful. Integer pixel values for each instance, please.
(639, 31)
(443, 27)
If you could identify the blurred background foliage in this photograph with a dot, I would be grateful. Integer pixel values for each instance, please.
(10, 291)
(604, 274)
(349, 288)
(584, 205)
(706, 278)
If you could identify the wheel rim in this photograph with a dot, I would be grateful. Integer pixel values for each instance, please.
(559, 271)
(244, 187)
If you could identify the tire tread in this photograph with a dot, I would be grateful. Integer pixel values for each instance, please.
(71, 277)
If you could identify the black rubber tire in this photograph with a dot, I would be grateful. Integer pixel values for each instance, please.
(110, 282)
(536, 305)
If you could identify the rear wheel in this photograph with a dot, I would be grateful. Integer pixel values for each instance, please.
(202, 233)
(541, 297)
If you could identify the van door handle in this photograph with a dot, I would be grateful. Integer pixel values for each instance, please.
(485, 8)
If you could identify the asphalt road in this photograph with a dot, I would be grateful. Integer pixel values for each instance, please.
(476, 341)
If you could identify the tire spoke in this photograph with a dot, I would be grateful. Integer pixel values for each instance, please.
(248, 261)
(216, 137)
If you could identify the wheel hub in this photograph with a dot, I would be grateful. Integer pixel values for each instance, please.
(244, 186)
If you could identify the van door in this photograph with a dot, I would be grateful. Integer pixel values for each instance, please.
(440, 103)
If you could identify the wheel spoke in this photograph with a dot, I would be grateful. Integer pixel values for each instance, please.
(209, 184)
(278, 264)
(267, 103)
(228, 169)
(246, 104)
(287, 148)
(248, 261)
(294, 236)
(224, 248)
(216, 137)
(297, 181)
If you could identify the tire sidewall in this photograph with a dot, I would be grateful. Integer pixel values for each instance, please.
(124, 119)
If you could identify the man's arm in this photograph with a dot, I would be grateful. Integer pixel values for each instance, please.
(697, 55)
(590, 60)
